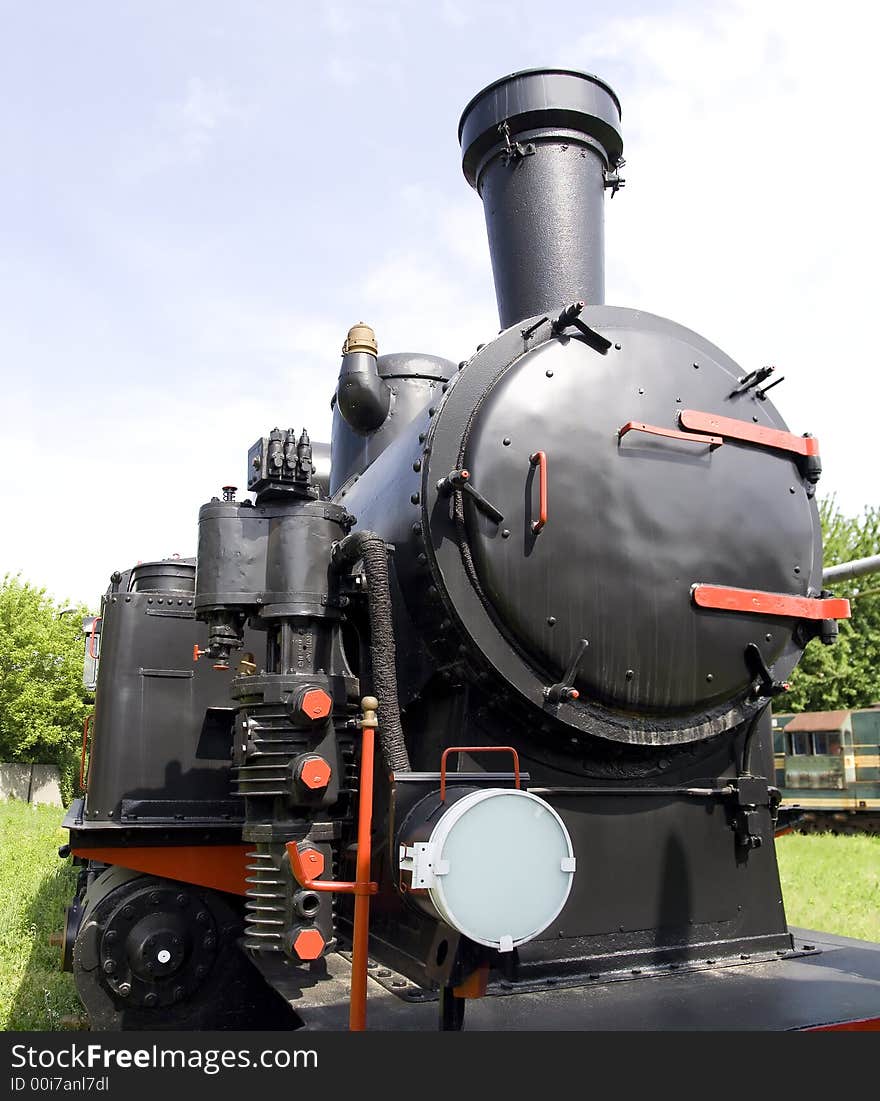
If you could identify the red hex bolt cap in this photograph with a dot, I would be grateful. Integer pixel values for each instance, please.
(314, 773)
(316, 704)
(313, 862)
(309, 944)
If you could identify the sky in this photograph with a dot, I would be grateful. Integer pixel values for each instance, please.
(198, 199)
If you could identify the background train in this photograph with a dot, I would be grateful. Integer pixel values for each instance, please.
(473, 709)
(828, 769)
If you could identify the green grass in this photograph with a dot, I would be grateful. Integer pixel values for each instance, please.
(832, 883)
(35, 887)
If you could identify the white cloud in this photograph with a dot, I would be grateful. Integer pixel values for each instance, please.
(455, 14)
(182, 131)
(343, 71)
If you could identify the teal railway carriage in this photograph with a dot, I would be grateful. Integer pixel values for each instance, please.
(828, 767)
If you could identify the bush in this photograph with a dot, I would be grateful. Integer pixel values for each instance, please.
(42, 699)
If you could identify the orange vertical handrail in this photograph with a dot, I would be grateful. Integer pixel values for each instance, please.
(539, 459)
(93, 638)
(357, 1021)
(362, 887)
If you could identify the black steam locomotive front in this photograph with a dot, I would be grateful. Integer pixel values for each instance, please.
(559, 549)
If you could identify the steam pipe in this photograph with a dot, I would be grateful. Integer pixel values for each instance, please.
(373, 550)
(540, 147)
(858, 567)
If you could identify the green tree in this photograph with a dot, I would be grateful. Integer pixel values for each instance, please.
(847, 674)
(42, 700)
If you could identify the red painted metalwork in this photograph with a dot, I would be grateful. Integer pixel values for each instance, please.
(315, 773)
(734, 429)
(476, 749)
(475, 985)
(654, 430)
(93, 638)
(539, 459)
(362, 887)
(724, 599)
(864, 1024)
(309, 944)
(316, 704)
(222, 867)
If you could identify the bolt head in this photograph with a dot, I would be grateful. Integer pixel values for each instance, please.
(314, 773)
(313, 862)
(316, 704)
(309, 944)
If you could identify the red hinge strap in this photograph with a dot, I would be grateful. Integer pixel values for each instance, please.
(657, 430)
(734, 429)
(725, 599)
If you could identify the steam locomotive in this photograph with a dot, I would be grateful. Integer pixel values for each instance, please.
(544, 579)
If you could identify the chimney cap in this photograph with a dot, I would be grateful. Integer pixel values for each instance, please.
(532, 99)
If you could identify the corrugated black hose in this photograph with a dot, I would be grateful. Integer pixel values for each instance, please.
(370, 547)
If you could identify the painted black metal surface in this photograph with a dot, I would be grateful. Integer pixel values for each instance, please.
(633, 523)
(414, 381)
(154, 954)
(537, 146)
(161, 743)
(839, 981)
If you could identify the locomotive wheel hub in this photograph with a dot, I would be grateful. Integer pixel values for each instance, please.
(156, 949)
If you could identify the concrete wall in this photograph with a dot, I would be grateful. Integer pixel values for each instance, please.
(31, 783)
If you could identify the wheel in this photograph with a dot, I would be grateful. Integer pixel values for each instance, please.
(154, 954)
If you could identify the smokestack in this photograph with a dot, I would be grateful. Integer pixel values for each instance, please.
(540, 147)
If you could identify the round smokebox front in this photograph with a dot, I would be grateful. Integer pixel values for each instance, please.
(589, 513)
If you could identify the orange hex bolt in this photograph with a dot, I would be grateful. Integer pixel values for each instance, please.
(315, 773)
(309, 944)
(313, 861)
(316, 703)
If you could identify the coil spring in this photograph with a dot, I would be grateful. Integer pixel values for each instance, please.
(265, 903)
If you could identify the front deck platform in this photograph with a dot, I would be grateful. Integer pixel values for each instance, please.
(840, 982)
